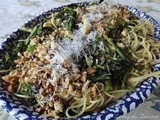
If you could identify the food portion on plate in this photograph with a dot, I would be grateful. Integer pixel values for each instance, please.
(81, 59)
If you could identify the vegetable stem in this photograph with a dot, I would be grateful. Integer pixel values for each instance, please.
(36, 29)
(101, 77)
(115, 46)
(100, 66)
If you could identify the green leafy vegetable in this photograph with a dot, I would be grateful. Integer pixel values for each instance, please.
(108, 86)
(110, 41)
(101, 78)
(118, 69)
(7, 57)
(111, 27)
(7, 61)
(31, 48)
(125, 78)
(67, 17)
(100, 66)
(26, 90)
(89, 60)
(36, 30)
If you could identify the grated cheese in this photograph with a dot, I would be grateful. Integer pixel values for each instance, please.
(70, 51)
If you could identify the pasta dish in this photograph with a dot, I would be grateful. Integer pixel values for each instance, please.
(80, 60)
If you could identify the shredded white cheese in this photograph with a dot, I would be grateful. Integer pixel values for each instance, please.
(70, 51)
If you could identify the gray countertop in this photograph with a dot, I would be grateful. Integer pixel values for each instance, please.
(14, 13)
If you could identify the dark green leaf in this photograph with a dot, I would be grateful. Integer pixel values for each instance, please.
(118, 69)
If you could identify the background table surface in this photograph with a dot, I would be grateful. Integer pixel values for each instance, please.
(14, 13)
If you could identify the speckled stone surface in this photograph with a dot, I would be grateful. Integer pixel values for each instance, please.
(14, 13)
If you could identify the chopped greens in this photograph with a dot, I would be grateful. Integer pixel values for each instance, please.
(31, 48)
(26, 90)
(68, 17)
(36, 31)
(118, 65)
(118, 69)
(7, 61)
(108, 86)
(100, 66)
(110, 41)
(9, 57)
(65, 18)
(89, 60)
(100, 78)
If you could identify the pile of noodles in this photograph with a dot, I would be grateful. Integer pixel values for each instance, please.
(140, 40)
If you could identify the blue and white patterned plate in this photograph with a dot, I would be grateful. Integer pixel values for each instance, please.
(122, 107)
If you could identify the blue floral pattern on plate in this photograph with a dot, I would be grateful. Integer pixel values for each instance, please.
(129, 102)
